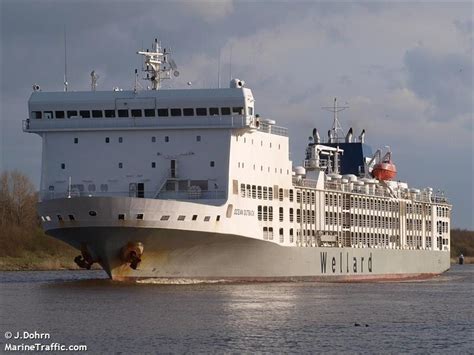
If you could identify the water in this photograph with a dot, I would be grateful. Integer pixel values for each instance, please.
(85, 308)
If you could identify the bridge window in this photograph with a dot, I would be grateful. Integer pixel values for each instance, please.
(59, 114)
(207, 218)
(85, 114)
(153, 139)
(48, 114)
(225, 111)
(121, 217)
(149, 112)
(181, 218)
(198, 138)
(201, 111)
(136, 113)
(37, 114)
(71, 114)
(164, 218)
(238, 110)
(214, 111)
(97, 113)
(195, 216)
(120, 165)
(109, 113)
(107, 140)
(76, 140)
(163, 112)
(122, 113)
(175, 112)
(153, 165)
(63, 166)
(188, 112)
(167, 139)
(212, 164)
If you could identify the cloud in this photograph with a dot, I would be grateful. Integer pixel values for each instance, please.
(442, 79)
(392, 62)
(210, 10)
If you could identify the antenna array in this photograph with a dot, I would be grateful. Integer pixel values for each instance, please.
(157, 65)
(336, 131)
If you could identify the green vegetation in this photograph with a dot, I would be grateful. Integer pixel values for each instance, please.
(24, 246)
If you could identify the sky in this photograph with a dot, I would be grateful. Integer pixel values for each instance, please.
(405, 69)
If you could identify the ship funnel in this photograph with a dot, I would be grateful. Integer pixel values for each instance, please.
(349, 136)
(316, 137)
(362, 136)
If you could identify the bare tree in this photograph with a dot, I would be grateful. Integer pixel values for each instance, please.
(17, 200)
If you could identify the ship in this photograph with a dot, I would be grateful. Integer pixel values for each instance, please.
(192, 183)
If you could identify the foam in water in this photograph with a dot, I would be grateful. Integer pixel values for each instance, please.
(178, 281)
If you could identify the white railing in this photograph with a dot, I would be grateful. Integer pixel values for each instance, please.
(192, 195)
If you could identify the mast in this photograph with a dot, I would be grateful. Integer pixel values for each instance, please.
(336, 132)
(157, 65)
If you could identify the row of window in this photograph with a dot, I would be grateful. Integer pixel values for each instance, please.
(252, 141)
(153, 139)
(268, 234)
(442, 227)
(161, 112)
(442, 211)
(263, 192)
(212, 164)
(242, 165)
(122, 217)
(417, 242)
(371, 239)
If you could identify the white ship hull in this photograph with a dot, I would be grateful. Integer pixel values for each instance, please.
(183, 253)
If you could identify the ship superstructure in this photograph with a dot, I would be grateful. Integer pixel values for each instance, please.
(193, 183)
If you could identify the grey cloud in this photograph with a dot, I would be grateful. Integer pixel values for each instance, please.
(465, 27)
(445, 80)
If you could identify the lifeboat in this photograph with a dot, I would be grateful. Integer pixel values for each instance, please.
(384, 170)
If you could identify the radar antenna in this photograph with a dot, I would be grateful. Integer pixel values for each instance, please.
(157, 65)
(336, 130)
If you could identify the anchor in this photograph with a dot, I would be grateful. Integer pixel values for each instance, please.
(131, 254)
(85, 260)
